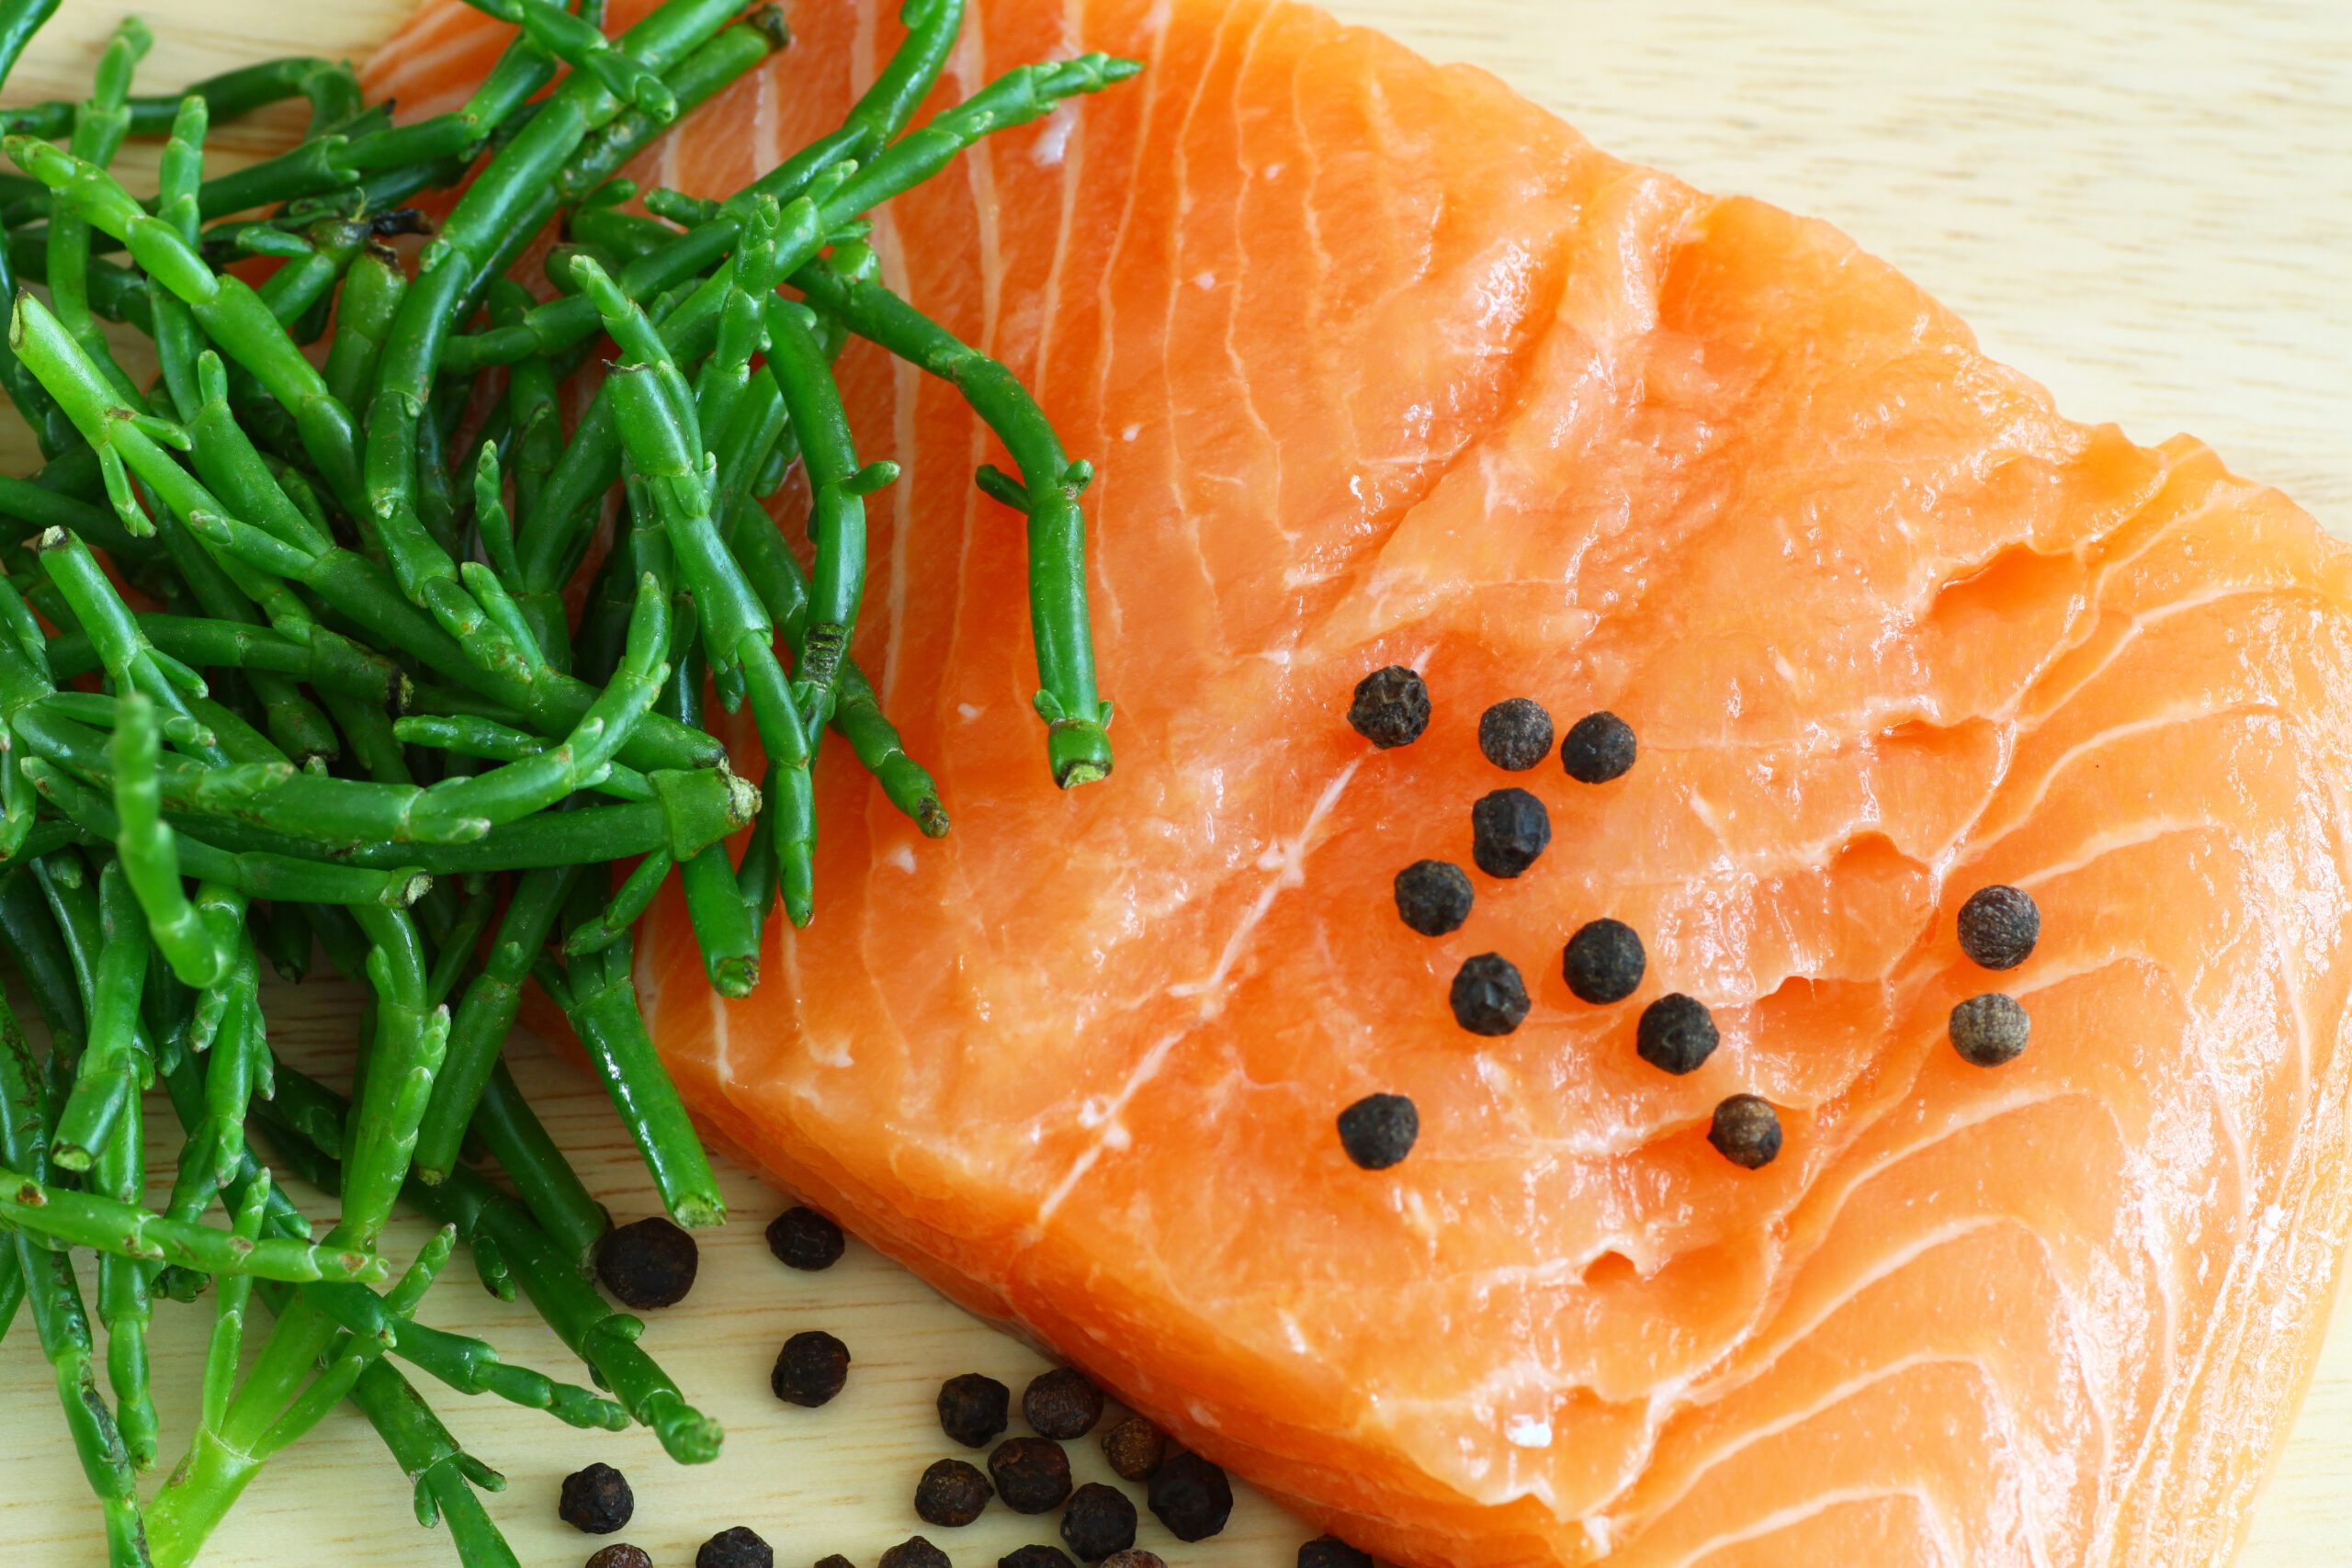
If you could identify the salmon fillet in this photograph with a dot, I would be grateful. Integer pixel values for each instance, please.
(1381, 364)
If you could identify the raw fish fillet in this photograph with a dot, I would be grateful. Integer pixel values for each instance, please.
(1379, 364)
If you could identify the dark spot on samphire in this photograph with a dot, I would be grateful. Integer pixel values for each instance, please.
(1508, 828)
(1379, 1130)
(1488, 995)
(1989, 1030)
(1433, 897)
(649, 1264)
(803, 1238)
(810, 1369)
(1061, 1404)
(1391, 707)
(1747, 1132)
(1599, 747)
(1998, 926)
(974, 1408)
(1515, 734)
(1677, 1033)
(1603, 962)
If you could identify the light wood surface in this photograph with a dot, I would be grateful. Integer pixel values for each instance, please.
(2147, 205)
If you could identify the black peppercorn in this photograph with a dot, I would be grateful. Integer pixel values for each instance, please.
(621, 1555)
(1134, 1557)
(1747, 1132)
(1099, 1521)
(1032, 1475)
(974, 1409)
(835, 1560)
(596, 1500)
(1330, 1551)
(1489, 997)
(1433, 897)
(1998, 926)
(951, 1492)
(1134, 1447)
(1061, 1404)
(1035, 1557)
(1508, 828)
(1191, 1496)
(1515, 734)
(803, 1238)
(1989, 1030)
(1391, 707)
(1599, 747)
(915, 1553)
(1675, 1034)
(735, 1547)
(1379, 1130)
(1603, 962)
(649, 1264)
(810, 1369)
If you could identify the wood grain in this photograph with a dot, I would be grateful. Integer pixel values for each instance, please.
(2146, 206)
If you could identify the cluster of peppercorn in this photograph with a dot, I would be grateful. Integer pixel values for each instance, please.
(652, 1264)
(1603, 962)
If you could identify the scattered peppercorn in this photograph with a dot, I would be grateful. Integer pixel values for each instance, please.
(1747, 1132)
(1134, 1448)
(810, 1369)
(735, 1547)
(1515, 734)
(1099, 1521)
(1061, 1404)
(973, 1409)
(1989, 1030)
(1035, 1557)
(1378, 1131)
(1134, 1557)
(1330, 1551)
(835, 1560)
(1489, 997)
(1032, 1475)
(1998, 926)
(1433, 897)
(1599, 747)
(952, 1493)
(803, 1238)
(1675, 1034)
(624, 1555)
(1191, 1495)
(915, 1553)
(1508, 828)
(649, 1264)
(1603, 962)
(1391, 707)
(596, 1500)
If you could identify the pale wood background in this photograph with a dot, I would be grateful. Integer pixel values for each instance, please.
(2147, 206)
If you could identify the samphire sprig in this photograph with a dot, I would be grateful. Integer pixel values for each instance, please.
(289, 663)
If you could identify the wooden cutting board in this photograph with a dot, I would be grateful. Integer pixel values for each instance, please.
(2146, 207)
